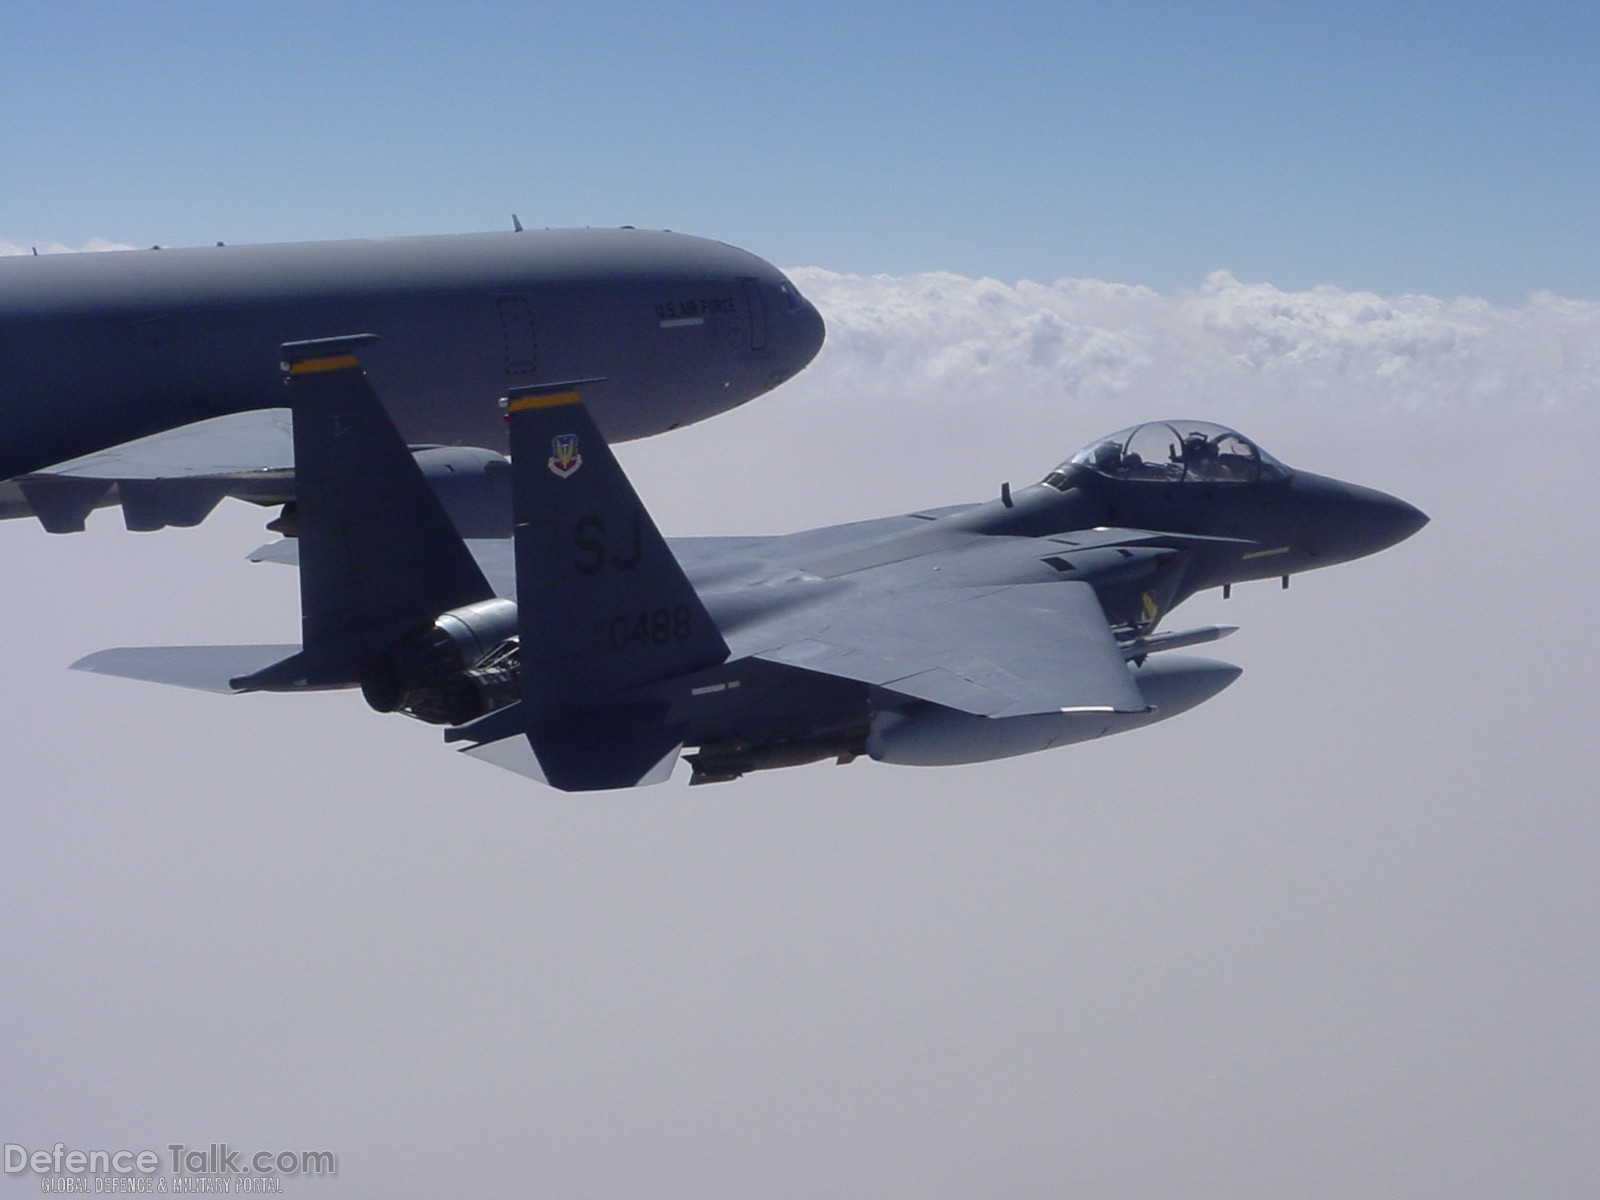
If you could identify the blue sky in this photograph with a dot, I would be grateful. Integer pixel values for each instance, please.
(1396, 147)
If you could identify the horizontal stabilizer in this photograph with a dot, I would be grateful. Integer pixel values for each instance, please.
(204, 668)
(514, 754)
(586, 751)
(598, 751)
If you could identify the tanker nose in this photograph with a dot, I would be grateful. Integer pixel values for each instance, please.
(803, 327)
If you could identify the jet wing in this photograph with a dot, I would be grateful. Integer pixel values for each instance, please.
(994, 652)
(240, 443)
(171, 478)
(178, 477)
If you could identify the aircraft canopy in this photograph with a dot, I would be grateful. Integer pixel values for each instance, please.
(1177, 452)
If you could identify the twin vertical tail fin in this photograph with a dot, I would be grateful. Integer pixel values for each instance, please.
(605, 607)
(379, 557)
(605, 610)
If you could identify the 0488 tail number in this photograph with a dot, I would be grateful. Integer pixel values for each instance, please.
(641, 630)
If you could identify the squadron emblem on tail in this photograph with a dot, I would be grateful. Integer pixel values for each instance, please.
(564, 457)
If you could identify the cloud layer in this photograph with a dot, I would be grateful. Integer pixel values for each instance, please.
(93, 244)
(1225, 343)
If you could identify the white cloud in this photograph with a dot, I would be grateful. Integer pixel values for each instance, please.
(932, 388)
(1227, 343)
(93, 244)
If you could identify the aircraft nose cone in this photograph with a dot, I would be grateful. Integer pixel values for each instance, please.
(807, 331)
(1345, 521)
(1397, 519)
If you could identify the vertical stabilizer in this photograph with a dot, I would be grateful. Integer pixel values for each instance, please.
(379, 556)
(604, 606)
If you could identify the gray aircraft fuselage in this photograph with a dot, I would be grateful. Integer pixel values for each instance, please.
(99, 349)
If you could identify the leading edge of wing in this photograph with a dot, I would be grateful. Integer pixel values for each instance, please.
(994, 652)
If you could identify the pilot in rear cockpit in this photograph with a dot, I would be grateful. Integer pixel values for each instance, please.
(1174, 452)
(1197, 449)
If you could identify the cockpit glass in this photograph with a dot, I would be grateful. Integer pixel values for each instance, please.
(1179, 452)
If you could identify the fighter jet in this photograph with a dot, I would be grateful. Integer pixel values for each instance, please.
(146, 377)
(588, 652)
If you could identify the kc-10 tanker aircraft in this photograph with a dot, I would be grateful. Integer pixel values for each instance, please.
(146, 377)
(587, 651)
